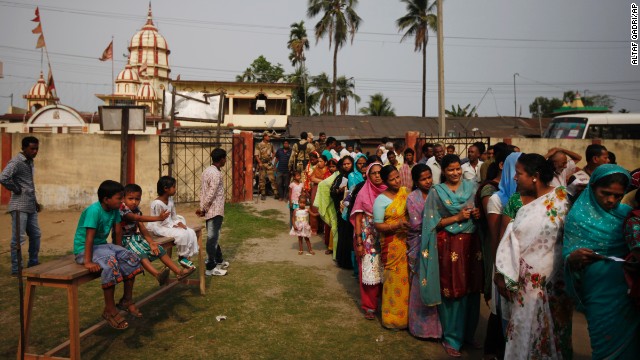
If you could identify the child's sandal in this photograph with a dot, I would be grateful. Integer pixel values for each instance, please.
(300, 252)
(130, 307)
(115, 321)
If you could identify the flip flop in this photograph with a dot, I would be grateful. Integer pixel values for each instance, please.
(450, 350)
(185, 273)
(115, 321)
(129, 307)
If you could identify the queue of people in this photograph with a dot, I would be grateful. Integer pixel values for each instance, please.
(535, 235)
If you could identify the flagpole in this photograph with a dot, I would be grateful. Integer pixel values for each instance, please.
(46, 51)
(113, 81)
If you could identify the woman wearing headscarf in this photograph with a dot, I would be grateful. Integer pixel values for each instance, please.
(391, 220)
(450, 256)
(309, 188)
(529, 267)
(366, 243)
(343, 244)
(423, 319)
(593, 237)
(357, 175)
(324, 204)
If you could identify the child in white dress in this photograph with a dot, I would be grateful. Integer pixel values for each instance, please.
(301, 227)
(175, 225)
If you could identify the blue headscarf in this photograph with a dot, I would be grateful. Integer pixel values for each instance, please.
(355, 177)
(590, 226)
(508, 185)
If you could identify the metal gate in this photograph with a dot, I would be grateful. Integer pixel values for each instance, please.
(191, 149)
(461, 143)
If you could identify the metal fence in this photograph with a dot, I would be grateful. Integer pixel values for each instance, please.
(461, 143)
(191, 150)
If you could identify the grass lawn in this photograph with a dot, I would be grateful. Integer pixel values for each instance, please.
(274, 310)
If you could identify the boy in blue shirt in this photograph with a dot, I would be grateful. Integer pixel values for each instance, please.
(92, 250)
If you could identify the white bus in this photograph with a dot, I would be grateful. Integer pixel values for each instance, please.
(594, 126)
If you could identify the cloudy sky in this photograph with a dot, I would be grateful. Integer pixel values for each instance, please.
(553, 45)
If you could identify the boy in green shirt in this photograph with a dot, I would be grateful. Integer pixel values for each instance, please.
(92, 250)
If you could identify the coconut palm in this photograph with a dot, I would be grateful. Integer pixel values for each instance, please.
(461, 111)
(417, 22)
(339, 20)
(301, 100)
(378, 105)
(298, 43)
(345, 91)
(324, 92)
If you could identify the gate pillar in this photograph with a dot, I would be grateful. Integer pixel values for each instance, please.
(243, 167)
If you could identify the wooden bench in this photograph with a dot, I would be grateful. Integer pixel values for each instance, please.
(65, 273)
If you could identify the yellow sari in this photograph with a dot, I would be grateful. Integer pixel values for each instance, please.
(395, 288)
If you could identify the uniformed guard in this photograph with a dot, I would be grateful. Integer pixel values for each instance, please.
(265, 155)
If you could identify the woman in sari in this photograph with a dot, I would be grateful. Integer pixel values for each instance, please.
(451, 257)
(308, 188)
(390, 219)
(529, 268)
(357, 175)
(423, 320)
(593, 234)
(343, 244)
(366, 241)
(324, 204)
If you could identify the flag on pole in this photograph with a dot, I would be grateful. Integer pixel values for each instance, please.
(143, 69)
(37, 30)
(40, 43)
(37, 18)
(107, 54)
(51, 86)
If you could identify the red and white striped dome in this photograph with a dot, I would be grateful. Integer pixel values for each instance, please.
(39, 90)
(146, 92)
(128, 75)
(149, 47)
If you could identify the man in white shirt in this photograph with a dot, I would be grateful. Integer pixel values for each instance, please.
(471, 169)
(434, 163)
(342, 150)
(564, 162)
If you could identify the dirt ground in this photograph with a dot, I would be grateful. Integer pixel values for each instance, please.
(58, 228)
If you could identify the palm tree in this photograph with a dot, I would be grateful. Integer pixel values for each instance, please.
(301, 100)
(339, 20)
(417, 22)
(345, 91)
(324, 93)
(298, 43)
(461, 111)
(378, 105)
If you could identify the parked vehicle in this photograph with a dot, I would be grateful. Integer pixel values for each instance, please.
(594, 126)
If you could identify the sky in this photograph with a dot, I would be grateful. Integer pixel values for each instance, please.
(553, 46)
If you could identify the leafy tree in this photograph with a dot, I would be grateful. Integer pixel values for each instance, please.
(298, 43)
(547, 106)
(262, 71)
(345, 91)
(339, 20)
(301, 100)
(378, 105)
(323, 95)
(461, 112)
(417, 22)
(601, 100)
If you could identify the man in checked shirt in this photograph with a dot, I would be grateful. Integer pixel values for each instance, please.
(17, 177)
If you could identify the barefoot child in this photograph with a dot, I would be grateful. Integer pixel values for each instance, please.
(175, 225)
(136, 237)
(118, 264)
(301, 227)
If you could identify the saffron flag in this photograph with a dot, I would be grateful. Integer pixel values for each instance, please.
(50, 84)
(107, 54)
(143, 69)
(37, 30)
(37, 18)
(40, 43)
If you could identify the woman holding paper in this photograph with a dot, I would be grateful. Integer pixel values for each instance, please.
(593, 245)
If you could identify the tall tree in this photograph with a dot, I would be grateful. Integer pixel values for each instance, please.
(417, 22)
(346, 89)
(262, 71)
(324, 92)
(339, 21)
(378, 105)
(298, 43)
(301, 100)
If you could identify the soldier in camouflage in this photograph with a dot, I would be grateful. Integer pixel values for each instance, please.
(265, 155)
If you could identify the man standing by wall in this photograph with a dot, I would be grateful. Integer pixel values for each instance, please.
(264, 156)
(212, 209)
(17, 177)
(282, 179)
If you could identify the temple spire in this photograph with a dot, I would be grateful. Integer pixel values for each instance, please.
(150, 16)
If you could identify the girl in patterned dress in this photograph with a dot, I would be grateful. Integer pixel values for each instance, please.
(301, 227)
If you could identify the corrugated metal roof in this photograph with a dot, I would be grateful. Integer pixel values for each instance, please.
(366, 127)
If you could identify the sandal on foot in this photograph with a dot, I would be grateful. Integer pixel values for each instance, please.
(300, 252)
(450, 350)
(370, 314)
(115, 321)
(163, 276)
(312, 252)
(130, 307)
(185, 273)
